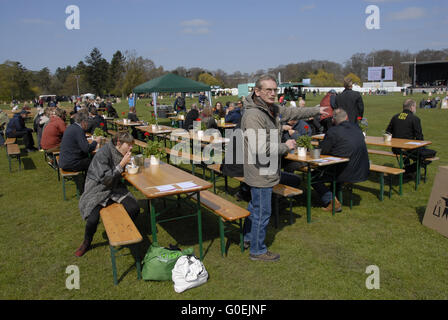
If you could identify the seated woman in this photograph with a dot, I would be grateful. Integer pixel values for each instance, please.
(54, 130)
(219, 110)
(104, 185)
(207, 118)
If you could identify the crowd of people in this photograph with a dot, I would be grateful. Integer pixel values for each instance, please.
(337, 116)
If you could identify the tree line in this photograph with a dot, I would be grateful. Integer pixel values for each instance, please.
(127, 70)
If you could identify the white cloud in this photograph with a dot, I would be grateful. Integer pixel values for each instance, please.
(194, 23)
(410, 13)
(35, 21)
(195, 26)
(307, 7)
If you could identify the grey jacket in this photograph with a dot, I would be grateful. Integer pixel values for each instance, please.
(103, 180)
(262, 156)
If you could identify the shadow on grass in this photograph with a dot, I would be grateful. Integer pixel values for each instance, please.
(420, 213)
(28, 164)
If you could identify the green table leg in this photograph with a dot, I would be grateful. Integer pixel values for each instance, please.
(308, 195)
(333, 207)
(221, 236)
(201, 255)
(417, 178)
(381, 186)
(153, 222)
(401, 174)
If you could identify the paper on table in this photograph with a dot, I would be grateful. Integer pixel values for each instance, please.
(332, 159)
(187, 185)
(165, 188)
(321, 160)
(415, 143)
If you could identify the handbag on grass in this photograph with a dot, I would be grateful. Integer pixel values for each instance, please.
(159, 262)
(189, 272)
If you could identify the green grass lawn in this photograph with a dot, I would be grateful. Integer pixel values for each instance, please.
(323, 260)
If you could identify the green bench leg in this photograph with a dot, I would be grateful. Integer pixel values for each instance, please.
(381, 186)
(139, 269)
(63, 188)
(290, 211)
(114, 266)
(214, 181)
(240, 224)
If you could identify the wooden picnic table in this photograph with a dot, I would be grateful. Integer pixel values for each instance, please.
(162, 180)
(227, 125)
(311, 163)
(402, 145)
(193, 136)
(156, 129)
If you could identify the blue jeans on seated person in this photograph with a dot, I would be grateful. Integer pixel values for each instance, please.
(326, 195)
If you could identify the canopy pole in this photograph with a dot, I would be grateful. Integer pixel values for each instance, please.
(209, 94)
(154, 99)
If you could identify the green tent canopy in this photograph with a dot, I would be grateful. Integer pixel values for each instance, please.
(171, 83)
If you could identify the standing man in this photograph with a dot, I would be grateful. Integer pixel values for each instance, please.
(262, 117)
(350, 101)
(179, 104)
(131, 100)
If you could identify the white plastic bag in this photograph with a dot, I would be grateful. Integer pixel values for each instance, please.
(189, 272)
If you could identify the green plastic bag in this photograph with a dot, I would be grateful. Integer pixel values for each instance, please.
(159, 262)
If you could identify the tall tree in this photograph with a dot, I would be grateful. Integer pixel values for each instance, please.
(116, 72)
(96, 71)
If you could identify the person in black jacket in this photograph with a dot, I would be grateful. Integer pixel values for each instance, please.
(16, 129)
(406, 125)
(350, 101)
(95, 121)
(75, 149)
(233, 114)
(191, 116)
(344, 140)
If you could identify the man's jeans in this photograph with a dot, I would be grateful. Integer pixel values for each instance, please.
(256, 224)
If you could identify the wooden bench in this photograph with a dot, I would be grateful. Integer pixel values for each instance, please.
(385, 171)
(280, 191)
(382, 153)
(140, 144)
(13, 151)
(10, 141)
(68, 175)
(227, 212)
(121, 231)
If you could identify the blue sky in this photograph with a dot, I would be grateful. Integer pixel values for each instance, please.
(244, 35)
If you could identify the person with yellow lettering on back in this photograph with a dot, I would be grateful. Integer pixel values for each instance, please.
(406, 125)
